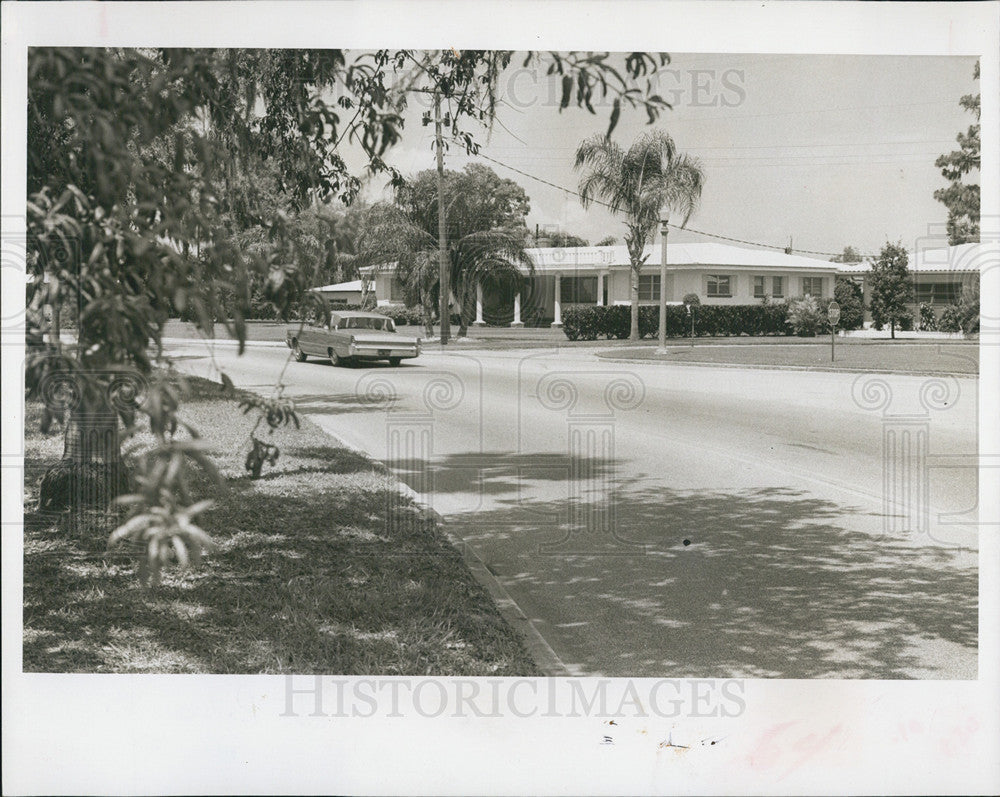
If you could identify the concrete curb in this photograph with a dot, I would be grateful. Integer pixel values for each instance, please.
(275, 344)
(538, 648)
(755, 367)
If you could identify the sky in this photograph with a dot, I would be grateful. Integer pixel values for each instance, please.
(827, 151)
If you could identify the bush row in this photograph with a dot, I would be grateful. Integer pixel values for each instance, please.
(401, 316)
(591, 323)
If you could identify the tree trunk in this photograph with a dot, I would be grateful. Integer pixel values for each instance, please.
(91, 472)
(892, 328)
(634, 296)
(463, 307)
(427, 308)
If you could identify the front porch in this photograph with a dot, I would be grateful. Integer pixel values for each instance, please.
(539, 301)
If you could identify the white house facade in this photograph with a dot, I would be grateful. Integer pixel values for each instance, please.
(600, 275)
(717, 273)
(939, 274)
(342, 292)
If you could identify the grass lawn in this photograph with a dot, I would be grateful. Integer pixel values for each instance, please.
(322, 567)
(939, 357)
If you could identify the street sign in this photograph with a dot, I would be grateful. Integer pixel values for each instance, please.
(833, 315)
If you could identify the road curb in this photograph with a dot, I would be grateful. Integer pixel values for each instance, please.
(757, 367)
(275, 344)
(538, 648)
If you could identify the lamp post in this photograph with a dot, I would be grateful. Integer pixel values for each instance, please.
(662, 348)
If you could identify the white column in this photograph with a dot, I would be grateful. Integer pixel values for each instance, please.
(517, 322)
(479, 306)
(602, 277)
(557, 321)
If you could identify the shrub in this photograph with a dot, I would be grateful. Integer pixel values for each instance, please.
(804, 316)
(951, 319)
(968, 307)
(848, 294)
(927, 320)
(403, 316)
(591, 323)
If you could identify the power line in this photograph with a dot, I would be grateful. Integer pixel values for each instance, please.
(675, 226)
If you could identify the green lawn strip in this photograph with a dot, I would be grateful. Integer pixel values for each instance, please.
(904, 356)
(322, 567)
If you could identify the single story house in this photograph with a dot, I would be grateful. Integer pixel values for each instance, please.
(718, 273)
(939, 274)
(342, 292)
(600, 275)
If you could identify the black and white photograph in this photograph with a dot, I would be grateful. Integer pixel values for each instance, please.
(395, 404)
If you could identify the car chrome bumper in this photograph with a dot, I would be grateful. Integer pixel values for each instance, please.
(379, 353)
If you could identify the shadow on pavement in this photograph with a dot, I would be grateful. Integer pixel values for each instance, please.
(749, 583)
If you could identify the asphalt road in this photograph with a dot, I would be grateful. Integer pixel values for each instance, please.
(675, 521)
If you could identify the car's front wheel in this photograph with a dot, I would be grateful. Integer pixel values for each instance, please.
(300, 355)
(395, 361)
(335, 360)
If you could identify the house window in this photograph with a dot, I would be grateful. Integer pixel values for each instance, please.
(938, 292)
(813, 286)
(578, 290)
(761, 285)
(649, 287)
(720, 285)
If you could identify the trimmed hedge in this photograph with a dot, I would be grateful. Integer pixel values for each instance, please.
(614, 322)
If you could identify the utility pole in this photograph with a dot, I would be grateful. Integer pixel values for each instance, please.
(443, 276)
(662, 348)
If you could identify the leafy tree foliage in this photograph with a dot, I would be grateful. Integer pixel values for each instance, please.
(486, 236)
(179, 180)
(963, 315)
(642, 182)
(564, 240)
(849, 295)
(608, 240)
(891, 288)
(928, 321)
(805, 316)
(849, 255)
(962, 199)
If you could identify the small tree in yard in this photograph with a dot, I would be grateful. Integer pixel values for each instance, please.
(848, 294)
(892, 289)
(928, 322)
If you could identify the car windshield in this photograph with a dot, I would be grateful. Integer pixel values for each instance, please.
(362, 322)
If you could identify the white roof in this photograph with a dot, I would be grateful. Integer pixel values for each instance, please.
(962, 258)
(345, 287)
(679, 254)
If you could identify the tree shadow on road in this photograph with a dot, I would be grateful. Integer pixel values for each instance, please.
(755, 583)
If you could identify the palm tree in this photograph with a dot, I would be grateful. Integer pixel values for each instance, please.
(392, 237)
(494, 257)
(641, 182)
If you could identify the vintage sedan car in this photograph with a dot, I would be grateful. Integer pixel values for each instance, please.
(350, 337)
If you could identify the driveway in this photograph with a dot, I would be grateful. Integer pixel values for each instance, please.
(653, 520)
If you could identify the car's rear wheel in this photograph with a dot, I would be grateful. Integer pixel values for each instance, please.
(395, 361)
(335, 360)
(300, 355)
